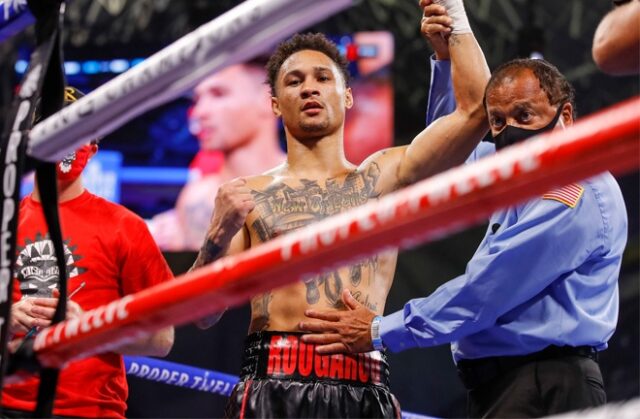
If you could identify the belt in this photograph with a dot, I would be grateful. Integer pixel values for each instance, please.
(284, 356)
(474, 372)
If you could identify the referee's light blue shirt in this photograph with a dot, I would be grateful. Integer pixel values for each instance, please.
(545, 274)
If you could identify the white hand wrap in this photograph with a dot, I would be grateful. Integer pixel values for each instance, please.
(455, 9)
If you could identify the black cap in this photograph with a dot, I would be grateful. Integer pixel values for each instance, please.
(71, 94)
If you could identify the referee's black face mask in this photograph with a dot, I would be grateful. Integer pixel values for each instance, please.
(511, 135)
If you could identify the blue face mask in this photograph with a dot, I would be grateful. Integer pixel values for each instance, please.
(511, 135)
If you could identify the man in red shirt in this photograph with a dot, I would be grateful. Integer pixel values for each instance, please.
(109, 253)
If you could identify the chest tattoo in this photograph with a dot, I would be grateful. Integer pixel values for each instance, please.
(282, 208)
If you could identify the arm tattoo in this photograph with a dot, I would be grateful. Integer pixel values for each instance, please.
(208, 253)
(453, 41)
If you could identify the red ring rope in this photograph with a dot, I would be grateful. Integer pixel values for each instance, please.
(608, 140)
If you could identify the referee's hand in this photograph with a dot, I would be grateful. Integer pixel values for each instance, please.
(335, 331)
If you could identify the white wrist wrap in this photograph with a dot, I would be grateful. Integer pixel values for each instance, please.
(455, 9)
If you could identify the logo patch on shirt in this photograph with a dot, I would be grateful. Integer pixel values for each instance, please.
(568, 195)
(36, 266)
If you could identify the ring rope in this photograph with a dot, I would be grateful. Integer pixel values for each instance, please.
(236, 36)
(427, 210)
(194, 378)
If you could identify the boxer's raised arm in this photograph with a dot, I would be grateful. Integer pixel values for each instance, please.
(449, 140)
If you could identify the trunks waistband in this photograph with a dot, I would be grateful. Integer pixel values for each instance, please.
(283, 355)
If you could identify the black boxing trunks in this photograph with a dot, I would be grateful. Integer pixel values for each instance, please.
(283, 377)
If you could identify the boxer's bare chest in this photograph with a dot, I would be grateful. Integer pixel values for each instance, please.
(286, 204)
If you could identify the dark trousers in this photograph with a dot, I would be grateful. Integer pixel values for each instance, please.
(539, 388)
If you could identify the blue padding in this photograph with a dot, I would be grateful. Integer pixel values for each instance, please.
(180, 375)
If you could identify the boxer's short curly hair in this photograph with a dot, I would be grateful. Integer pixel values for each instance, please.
(552, 81)
(300, 42)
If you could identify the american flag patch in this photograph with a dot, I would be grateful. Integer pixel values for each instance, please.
(568, 195)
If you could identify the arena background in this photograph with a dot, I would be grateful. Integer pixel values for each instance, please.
(424, 380)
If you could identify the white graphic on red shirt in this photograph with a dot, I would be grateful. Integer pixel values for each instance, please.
(36, 267)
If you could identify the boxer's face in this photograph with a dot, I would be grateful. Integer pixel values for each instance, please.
(230, 107)
(311, 95)
(519, 101)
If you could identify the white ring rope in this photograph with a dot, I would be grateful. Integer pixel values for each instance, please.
(233, 37)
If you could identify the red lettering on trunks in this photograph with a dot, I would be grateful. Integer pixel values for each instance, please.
(289, 356)
(337, 366)
(375, 370)
(364, 364)
(321, 365)
(290, 351)
(350, 367)
(275, 356)
(305, 359)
